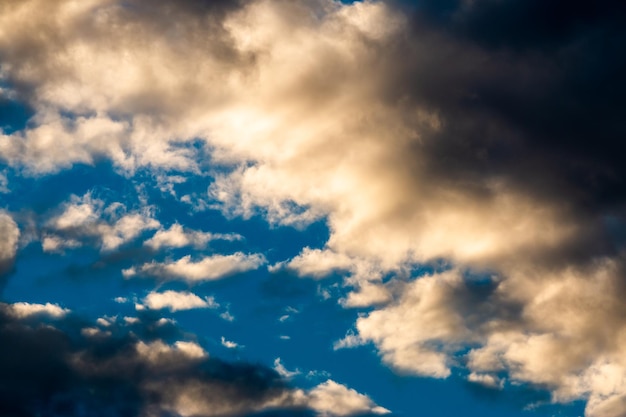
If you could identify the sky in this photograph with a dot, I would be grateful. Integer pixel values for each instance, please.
(312, 208)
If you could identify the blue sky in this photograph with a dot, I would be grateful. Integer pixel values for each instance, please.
(311, 208)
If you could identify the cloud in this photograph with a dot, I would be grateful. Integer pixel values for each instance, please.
(227, 316)
(317, 263)
(229, 344)
(367, 294)
(158, 352)
(486, 380)
(350, 340)
(206, 269)
(57, 244)
(4, 184)
(177, 237)
(86, 218)
(8, 244)
(26, 310)
(408, 333)
(484, 136)
(176, 301)
(333, 399)
(282, 371)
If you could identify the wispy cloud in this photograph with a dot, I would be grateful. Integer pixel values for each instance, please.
(209, 268)
(177, 237)
(176, 301)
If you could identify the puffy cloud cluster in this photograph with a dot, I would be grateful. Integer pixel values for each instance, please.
(85, 218)
(482, 135)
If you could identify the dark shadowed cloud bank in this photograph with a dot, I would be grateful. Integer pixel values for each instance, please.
(55, 364)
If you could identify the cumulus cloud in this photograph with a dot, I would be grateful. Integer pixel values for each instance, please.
(25, 310)
(333, 399)
(206, 269)
(516, 325)
(176, 301)
(423, 137)
(86, 217)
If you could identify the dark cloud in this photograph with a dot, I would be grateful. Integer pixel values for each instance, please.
(54, 371)
(530, 94)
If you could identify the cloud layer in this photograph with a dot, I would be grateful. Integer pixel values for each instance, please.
(482, 139)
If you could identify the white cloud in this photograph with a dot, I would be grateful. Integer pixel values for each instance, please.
(229, 344)
(367, 294)
(350, 340)
(163, 321)
(125, 229)
(94, 332)
(177, 237)
(87, 217)
(206, 269)
(333, 399)
(176, 301)
(409, 333)
(282, 371)
(486, 380)
(25, 310)
(57, 244)
(317, 263)
(190, 349)
(8, 243)
(227, 316)
(158, 352)
(105, 321)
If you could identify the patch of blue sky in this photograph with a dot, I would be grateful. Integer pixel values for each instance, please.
(14, 114)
